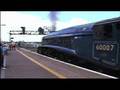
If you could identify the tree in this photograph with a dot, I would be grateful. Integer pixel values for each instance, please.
(23, 30)
(41, 31)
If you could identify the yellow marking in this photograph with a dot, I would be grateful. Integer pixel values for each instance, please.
(43, 66)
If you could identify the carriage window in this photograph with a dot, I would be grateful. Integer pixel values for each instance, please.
(108, 30)
(117, 24)
(103, 31)
(98, 30)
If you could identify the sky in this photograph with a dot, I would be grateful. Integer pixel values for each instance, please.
(32, 20)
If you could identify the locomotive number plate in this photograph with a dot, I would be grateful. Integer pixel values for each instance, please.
(106, 50)
(104, 47)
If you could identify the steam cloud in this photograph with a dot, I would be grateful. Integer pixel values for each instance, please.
(53, 19)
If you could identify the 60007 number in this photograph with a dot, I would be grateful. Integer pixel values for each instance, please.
(103, 47)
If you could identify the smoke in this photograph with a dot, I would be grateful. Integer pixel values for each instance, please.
(53, 18)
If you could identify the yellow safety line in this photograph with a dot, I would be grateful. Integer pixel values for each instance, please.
(43, 66)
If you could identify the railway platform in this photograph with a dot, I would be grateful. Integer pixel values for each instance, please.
(23, 63)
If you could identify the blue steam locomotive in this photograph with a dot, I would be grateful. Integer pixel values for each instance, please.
(97, 42)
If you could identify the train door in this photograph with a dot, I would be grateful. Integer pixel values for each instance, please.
(117, 34)
(117, 29)
(105, 44)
